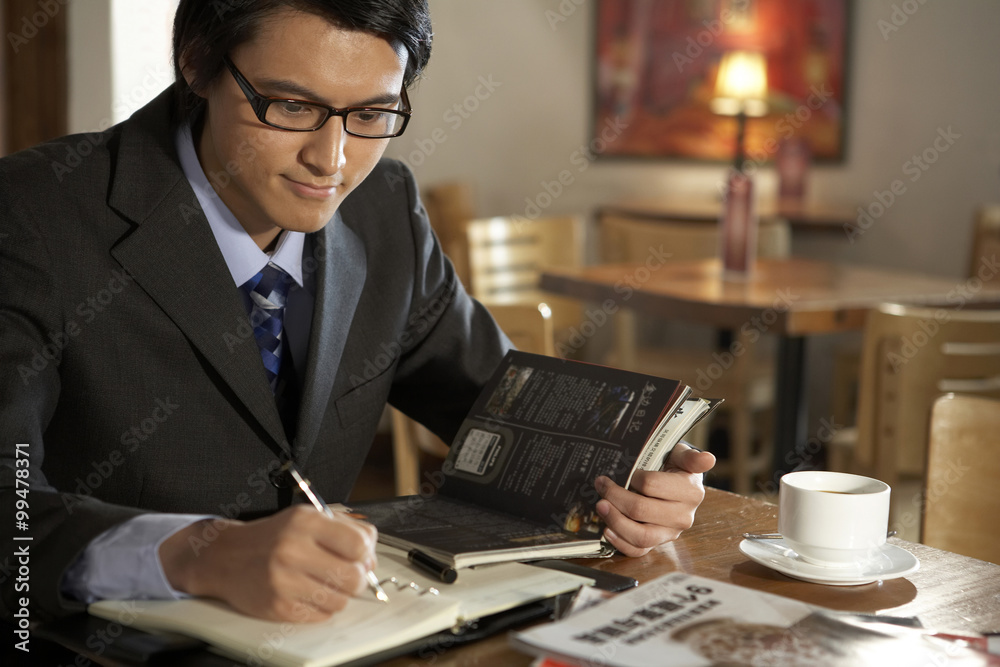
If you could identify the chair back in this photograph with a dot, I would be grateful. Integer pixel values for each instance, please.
(910, 357)
(985, 238)
(528, 325)
(962, 498)
(507, 256)
(450, 206)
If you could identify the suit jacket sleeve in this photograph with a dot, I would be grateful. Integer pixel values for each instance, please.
(32, 337)
(449, 344)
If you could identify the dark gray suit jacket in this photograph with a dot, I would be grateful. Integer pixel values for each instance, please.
(129, 372)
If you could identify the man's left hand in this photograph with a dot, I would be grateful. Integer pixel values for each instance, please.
(659, 505)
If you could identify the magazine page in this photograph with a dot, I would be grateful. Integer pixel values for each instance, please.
(682, 620)
(544, 429)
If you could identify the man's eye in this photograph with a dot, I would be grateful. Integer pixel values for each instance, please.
(293, 109)
(369, 116)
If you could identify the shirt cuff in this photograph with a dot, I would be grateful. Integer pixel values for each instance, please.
(123, 562)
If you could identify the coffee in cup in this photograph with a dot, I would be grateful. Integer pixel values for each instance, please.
(833, 519)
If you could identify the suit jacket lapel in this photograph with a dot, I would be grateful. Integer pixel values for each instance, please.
(173, 256)
(340, 277)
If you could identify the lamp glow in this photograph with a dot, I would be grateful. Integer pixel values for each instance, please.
(741, 86)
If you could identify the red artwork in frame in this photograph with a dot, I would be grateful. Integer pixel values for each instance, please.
(656, 65)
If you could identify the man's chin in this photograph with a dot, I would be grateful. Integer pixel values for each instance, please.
(312, 223)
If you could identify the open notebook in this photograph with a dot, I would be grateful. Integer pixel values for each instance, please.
(418, 606)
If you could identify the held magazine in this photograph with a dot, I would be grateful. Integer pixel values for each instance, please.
(518, 483)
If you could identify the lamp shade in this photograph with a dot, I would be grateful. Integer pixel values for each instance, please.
(741, 86)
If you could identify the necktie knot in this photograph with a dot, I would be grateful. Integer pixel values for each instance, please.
(268, 292)
(269, 288)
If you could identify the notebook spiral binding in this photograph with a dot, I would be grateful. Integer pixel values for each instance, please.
(412, 585)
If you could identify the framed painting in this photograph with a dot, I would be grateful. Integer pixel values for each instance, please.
(657, 61)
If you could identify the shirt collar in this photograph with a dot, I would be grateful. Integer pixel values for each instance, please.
(243, 258)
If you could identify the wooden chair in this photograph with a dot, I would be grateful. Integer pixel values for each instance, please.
(747, 385)
(529, 327)
(910, 357)
(507, 256)
(840, 452)
(986, 238)
(962, 498)
(450, 206)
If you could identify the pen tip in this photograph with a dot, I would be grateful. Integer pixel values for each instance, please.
(382, 596)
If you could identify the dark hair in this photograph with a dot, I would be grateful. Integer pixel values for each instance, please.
(205, 31)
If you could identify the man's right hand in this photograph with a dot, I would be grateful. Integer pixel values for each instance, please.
(297, 565)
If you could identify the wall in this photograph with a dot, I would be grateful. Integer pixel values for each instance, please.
(88, 47)
(530, 119)
(905, 84)
(119, 58)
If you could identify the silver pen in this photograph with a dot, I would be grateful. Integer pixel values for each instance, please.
(318, 503)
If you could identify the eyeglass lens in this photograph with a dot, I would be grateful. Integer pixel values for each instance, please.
(363, 122)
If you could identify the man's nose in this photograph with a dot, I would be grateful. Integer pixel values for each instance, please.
(325, 150)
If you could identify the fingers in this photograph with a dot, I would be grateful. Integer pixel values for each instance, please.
(630, 537)
(335, 553)
(309, 557)
(676, 486)
(688, 459)
(298, 565)
(288, 594)
(345, 537)
(660, 506)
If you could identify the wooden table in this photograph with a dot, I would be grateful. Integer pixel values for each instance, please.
(792, 298)
(949, 591)
(808, 217)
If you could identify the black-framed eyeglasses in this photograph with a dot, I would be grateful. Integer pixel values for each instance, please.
(303, 116)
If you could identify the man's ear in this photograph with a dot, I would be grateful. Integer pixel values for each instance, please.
(190, 75)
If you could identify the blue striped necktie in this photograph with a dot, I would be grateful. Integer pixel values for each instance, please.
(268, 291)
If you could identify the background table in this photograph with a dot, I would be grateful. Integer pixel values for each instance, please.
(809, 217)
(792, 298)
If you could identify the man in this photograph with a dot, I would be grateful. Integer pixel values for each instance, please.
(201, 300)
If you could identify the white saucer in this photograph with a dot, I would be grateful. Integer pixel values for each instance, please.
(890, 563)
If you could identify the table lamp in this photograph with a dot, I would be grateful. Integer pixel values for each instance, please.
(741, 91)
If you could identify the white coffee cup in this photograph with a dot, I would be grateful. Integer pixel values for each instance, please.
(833, 519)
